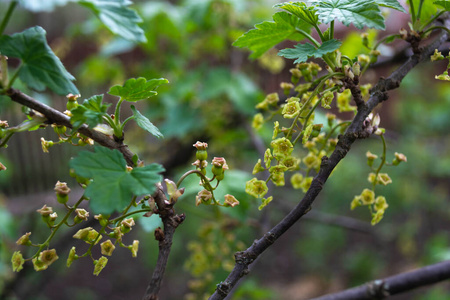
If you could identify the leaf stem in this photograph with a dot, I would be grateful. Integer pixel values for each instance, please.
(8, 14)
(309, 37)
(434, 28)
(384, 39)
(383, 161)
(419, 11)
(331, 32)
(413, 13)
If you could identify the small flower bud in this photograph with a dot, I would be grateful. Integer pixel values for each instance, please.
(365, 39)
(62, 192)
(201, 153)
(46, 145)
(356, 69)
(72, 256)
(355, 202)
(82, 234)
(370, 158)
(102, 219)
(45, 211)
(126, 225)
(258, 121)
(203, 197)
(296, 180)
(307, 133)
(258, 167)
(264, 202)
(231, 201)
(72, 101)
(272, 99)
(330, 119)
(403, 33)
(134, 248)
(24, 239)
(381, 204)
(286, 86)
(399, 157)
(81, 215)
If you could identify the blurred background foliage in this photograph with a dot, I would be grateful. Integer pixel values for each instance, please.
(211, 96)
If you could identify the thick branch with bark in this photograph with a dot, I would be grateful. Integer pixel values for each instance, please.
(353, 132)
(383, 288)
(56, 117)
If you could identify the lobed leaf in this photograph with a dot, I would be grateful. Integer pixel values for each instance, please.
(391, 4)
(145, 123)
(90, 112)
(300, 10)
(116, 15)
(356, 12)
(444, 4)
(113, 186)
(40, 67)
(137, 89)
(268, 34)
(301, 52)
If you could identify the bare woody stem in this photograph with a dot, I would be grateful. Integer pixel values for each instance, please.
(353, 132)
(57, 117)
(393, 285)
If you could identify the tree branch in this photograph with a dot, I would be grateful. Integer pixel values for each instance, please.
(171, 222)
(354, 131)
(56, 117)
(383, 288)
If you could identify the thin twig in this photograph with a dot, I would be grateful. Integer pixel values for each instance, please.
(383, 288)
(353, 132)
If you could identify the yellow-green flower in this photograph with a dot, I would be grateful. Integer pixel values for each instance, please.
(306, 183)
(372, 178)
(278, 179)
(267, 158)
(343, 101)
(384, 179)
(82, 234)
(258, 167)
(107, 247)
(256, 188)
(370, 158)
(399, 157)
(380, 203)
(276, 129)
(326, 100)
(100, 265)
(39, 265)
(376, 217)
(230, 200)
(312, 161)
(291, 109)
(134, 248)
(307, 133)
(290, 162)
(93, 237)
(437, 55)
(17, 261)
(204, 197)
(258, 121)
(355, 202)
(282, 147)
(367, 197)
(48, 257)
(443, 76)
(296, 180)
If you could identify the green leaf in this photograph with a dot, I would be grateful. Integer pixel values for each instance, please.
(40, 6)
(444, 4)
(145, 123)
(268, 34)
(90, 112)
(40, 67)
(137, 89)
(113, 186)
(300, 10)
(391, 4)
(120, 19)
(301, 52)
(356, 12)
